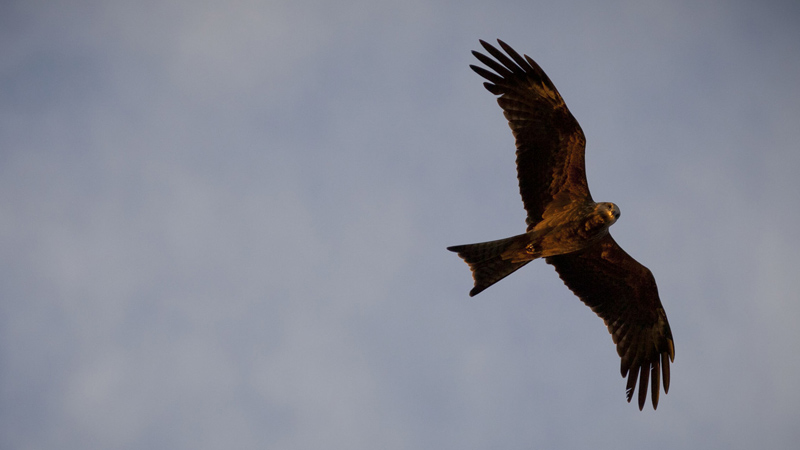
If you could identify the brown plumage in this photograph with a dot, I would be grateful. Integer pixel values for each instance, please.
(566, 227)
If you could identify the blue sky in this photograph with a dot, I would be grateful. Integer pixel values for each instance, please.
(223, 225)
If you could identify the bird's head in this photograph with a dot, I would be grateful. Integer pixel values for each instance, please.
(609, 211)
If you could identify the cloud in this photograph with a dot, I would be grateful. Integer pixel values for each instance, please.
(224, 225)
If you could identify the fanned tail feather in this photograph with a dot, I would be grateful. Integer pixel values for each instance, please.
(485, 260)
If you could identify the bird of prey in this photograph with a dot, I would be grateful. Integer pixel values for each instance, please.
(566, 227)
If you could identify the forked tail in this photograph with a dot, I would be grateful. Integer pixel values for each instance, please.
(486, 260)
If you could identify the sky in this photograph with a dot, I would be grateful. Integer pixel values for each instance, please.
(223, 224)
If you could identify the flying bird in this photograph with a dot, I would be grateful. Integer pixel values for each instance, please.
(566, 227)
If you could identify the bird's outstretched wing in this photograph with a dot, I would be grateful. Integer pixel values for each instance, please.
(550, 143)
(623, 293)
